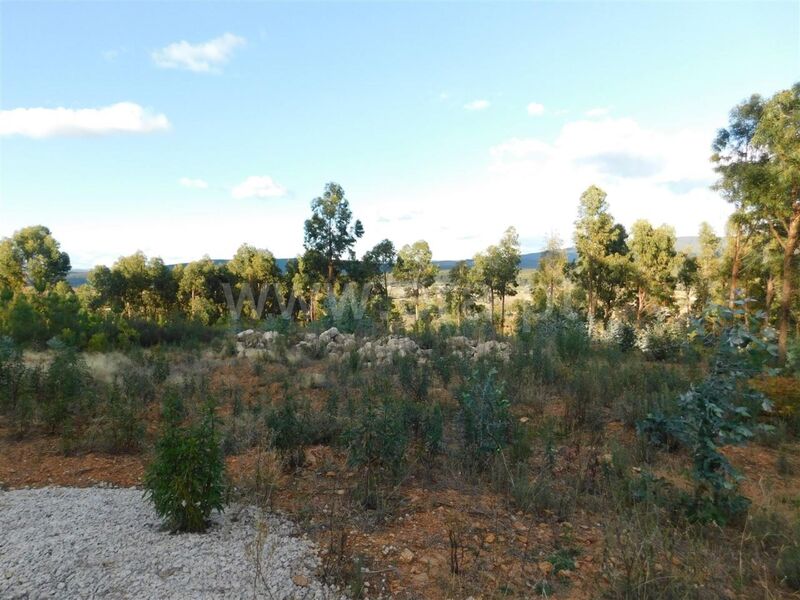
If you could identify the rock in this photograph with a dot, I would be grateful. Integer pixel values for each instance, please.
(300, 581)
(406, 555)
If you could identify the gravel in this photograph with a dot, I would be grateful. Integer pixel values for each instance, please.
(109, 543)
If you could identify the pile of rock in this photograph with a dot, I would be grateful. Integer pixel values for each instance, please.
(380, 352)
(373, 353)
(250, 338)
(253, 344)
(468, 349)
(331, 343)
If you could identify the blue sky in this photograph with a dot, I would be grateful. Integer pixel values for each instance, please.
(443, 121)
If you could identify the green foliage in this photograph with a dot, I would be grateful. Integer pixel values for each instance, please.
(485, 411)
(119, 427)
(186, 480)
(718, 411)
(290, 431)
(377, 443)
(662, 340)
(65, 387)
(622, 334)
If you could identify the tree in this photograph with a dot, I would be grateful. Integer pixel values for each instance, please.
(255, 268)
(689, 277)
(32, 257)
(778, 133)
(415, 269)
(331, 231)
(551, 268)
(758, 159)
(654, 263)
(508, 269)
(382, 256)
(378, 262)
(594, 233)
(708, 265)
(462, 288)
(200, 289)
(486, 264)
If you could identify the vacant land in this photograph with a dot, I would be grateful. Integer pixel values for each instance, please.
(544, 464)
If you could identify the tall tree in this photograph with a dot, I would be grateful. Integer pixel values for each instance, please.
(509, 256)
(758, 159)
(461, 290)
(331, 231)
(415, 269)
(654, 263)
(256, 268)
(32, 257)
(594, 234)
(551, 268)
(708, 265)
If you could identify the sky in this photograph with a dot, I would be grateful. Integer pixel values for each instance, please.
(186, 129)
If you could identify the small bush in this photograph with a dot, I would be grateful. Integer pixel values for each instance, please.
(487, 420)
(661, 341)
(186, 480)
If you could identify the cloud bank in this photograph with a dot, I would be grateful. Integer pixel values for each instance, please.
(38, 123)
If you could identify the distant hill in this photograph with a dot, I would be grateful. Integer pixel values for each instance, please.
(528, 261)
(688, 244)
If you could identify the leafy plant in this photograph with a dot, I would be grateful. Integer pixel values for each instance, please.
(485, 409)
(186, 480)
(377, 446)
(718, 411)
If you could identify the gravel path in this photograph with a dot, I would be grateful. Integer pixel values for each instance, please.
(107, 543)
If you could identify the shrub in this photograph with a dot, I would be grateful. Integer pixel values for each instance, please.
(622, 334)
(65, 385)
(661, 341)
(290, 432)
(716, 412)
(12, 377)
(485, 409)
(377, 444)
(186, 480)
(119, 427)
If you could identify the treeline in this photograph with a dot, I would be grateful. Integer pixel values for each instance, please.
(637, 276)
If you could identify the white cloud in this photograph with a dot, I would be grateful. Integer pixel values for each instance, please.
(600, 111)
(258, 187)
(534, 183)
(535, 109)
(477, 105)
(197, 184)
(123, 117)
(207, 57)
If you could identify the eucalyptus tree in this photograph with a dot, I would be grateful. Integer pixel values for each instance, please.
(654, 265)
(758, 160)
(708, 265)
(594, 230)
(32, 257)
(551, 269)
(257, 269)
(461, 290)
(415, 269)
(331, 231)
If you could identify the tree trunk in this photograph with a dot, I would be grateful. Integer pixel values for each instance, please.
(416, 306)
(502, 313)
(491, 303)
(788, 281)
(769, 297)
(640, 300)
(735, 266)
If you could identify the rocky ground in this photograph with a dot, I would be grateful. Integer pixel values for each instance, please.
(108, 543)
